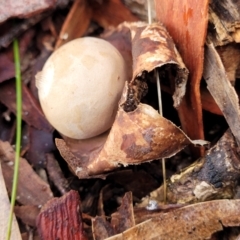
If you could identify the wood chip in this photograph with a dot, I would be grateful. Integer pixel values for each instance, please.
(32, 190)
(60, 218)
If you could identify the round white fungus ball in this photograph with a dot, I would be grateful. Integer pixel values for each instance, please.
(80, 86)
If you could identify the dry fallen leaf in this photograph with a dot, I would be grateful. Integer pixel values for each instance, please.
(193, 222)
(36, 192)
(221, 89)
(5, 212)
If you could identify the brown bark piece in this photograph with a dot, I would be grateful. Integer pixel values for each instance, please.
(23, 8)
(224, 19)
(56, 175)
(31, 111)
(28, 214)
(111, 13)
(193, 222)
(188, 26)
(76, 23)
(101, 228)
(40, 143)
(60, 218)
(221, 90)
(32, 190)
(230, 56)
(123, 219)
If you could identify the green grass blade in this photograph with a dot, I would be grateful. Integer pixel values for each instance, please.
(18, 132)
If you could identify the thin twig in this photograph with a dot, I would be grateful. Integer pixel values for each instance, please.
(18, 133)
(160, 110)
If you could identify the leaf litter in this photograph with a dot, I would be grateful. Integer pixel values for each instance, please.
(126, 156)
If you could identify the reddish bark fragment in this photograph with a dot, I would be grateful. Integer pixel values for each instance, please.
(208, 102)
(60, 218)
(188, 26)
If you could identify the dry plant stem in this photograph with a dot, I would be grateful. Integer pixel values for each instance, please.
(163, 159)
(160, 111)
(18, 133)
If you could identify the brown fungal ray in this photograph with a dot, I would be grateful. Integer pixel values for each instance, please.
(136, 137)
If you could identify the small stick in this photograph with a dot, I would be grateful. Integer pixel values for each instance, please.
(160, 111)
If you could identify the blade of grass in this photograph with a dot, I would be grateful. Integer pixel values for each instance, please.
(18, 133)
